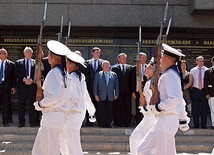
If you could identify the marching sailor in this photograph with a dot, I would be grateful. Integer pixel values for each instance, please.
(54, 104)
(160, 139)
(79, 101)
(149, 118)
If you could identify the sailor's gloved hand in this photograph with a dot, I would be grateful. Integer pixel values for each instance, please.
(37, 106)
(143, 109)
(184, 124)
(92, 118)
(155, 109)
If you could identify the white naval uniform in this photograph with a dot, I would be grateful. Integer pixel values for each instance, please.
(145, 125)
(55, 101)
(160, 137)
(79, 102)
(89, 104)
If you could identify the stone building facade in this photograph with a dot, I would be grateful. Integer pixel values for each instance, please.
(111, 25)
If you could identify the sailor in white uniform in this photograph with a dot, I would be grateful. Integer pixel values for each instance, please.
(54, 104)
(149, 118)
(160, 139)
(79, 102)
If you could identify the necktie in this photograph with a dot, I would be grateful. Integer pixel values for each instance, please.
(27, 68)
(123, 69)
(106, 77)
(1, 72)
(199, 79)
(142, 71)
(95, 65)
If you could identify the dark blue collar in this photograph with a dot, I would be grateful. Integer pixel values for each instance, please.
(59, 66)
(76, 72)
(175, 68)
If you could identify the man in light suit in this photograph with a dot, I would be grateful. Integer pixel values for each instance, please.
(7, 86)
(209, 89)
(24, 71)
(93, 65)
(106, 90)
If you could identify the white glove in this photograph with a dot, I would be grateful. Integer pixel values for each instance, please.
(185, 126)
(154, 110)
(92, 118)
(143, 109)
(37, 107)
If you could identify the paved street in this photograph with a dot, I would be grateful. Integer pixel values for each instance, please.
(15, 124)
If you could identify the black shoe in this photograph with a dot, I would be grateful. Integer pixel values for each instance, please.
(33, 125)
(10, 121)
(6, 124)
(21, 125)
(195, 127)
(203, 127)
(102, 126)
(89, 124)
(109, 126)
(212, 127)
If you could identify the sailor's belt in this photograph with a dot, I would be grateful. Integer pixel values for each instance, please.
(50, 109)
(164, 114)
(67, 112)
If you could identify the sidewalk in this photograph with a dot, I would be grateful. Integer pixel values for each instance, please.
(15, 124)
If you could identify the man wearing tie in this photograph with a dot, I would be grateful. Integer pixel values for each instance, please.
(209, 89)
(135, 91)
(94, 65)
(7, 86)
(106, 90)
(24, 70)
(198, 96)
(122, 108)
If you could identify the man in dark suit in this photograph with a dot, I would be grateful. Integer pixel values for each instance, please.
(7, 86)
(94, 65)
(209, 89)
(47, 66)
(135, 91)
(106, 90)
(122, 108)
(25, 70)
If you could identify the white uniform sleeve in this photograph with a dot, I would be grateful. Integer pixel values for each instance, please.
(89, 105)
(171, 86)
(147, 92)
(53, 86)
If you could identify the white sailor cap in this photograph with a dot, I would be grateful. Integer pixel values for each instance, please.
(151, 61)
(76, 58)
(168, 50)
(58, 48)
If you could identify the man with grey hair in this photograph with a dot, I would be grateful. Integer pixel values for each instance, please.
(106, 90)
(122, 107)
(24, 71)
(135, 83)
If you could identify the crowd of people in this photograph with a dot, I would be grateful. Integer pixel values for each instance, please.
(111, 89)
(75, 90)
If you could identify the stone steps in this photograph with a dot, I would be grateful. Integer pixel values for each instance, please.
(19, 141)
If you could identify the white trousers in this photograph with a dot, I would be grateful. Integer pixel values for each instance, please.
(211, 104)
(160, 139)
(47, 139)
(140, 131)
(70, 143)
